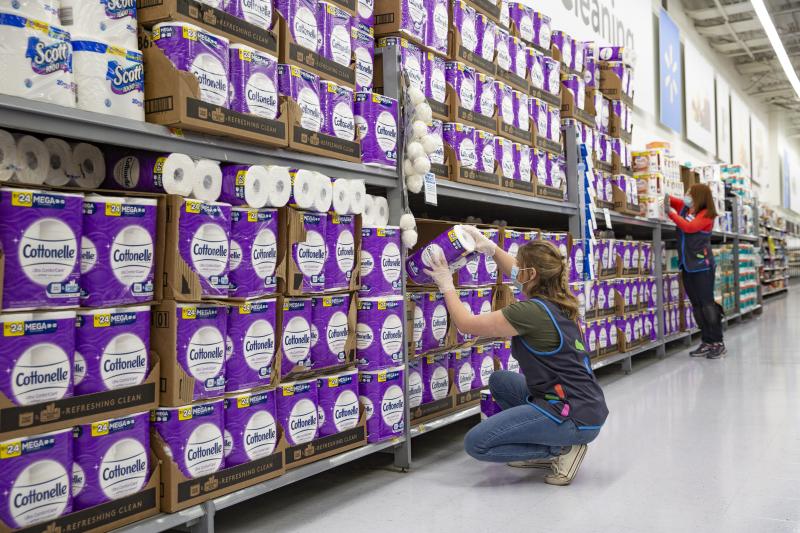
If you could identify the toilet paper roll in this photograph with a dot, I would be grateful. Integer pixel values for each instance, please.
(341, 197)
(322, 200)
(368, 213)
(380, 214)
(358, 196)
(8, 156)
(455, 245)
(114, 22)
(305, 188)
(151, 172)
(279, 184)
(42, 10)
(245, 185)
(92, 163)
(62, 168)
(207, 180)
(33, 160)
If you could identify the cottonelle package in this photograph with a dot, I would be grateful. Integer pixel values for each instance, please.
(454, 245)
(253, 252)
(157, 172)
(338, 404)
(340, 268)
(296, 335)
(377, 125)
(251, 344)
(380, 265)
(332, 324)
(298, 410)
(379, 331)
(254, 80)
(251, 427)
(381, 395)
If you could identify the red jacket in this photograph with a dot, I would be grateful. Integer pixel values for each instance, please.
(699, 223)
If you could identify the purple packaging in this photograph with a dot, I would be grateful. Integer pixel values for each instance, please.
(414, 383)
(254, 79)
(559, 238)
(468, 274)
(250, 344)
(36, 480)
(579, 51)
(201, 346)
(552, 75)
(329, 330)
(487, 36)
(481, 301)
(566, 45)
(521, 110)
(296, 335)
(512, 241)
(381, 263)
(465, 19)
(489, 407)
(256, 12)
(363, 50)
(542, 33)
(338, 406)
(435, 78)
(484, 150)
(462, 79)
(482, 364)
(204, 243)
(454, 245)
(625, 328)
(519, 57)
(253, 252)
(576, 85)
(205, 55)
(504, 157)
(485, 97)
(379, 332)
(504, 48)
(40, 234)
(381, 395)
(336, 106)
(193, 435)
(539, 112)
(438, 24)
(506, 109)
(437, 157)
(522, 158)
(591, 73)
(251, 429)
(487, 267)
(298, 411)
(615, 53)
(435, 377)
(111, 459)
(341, 247)
(310, 255)
(39, 363)
(576, 258)
(590, 336)
(646, 258)
(157, 172)
(302, 18)
(502, 353)
(436, 322)
(461, 140)
(522, 18)
(335, 25)
(302, 87)
(536, 66)
(461, 364)
(112, 349)
(411, 59)
(465, 296)
(376, 121)
(117, 250)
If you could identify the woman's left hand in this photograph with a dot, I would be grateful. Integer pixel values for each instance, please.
(440, 273)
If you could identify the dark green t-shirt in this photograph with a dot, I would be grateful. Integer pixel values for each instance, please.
(534, 324)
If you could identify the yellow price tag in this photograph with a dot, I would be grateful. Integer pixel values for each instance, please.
(13, 329)
(100, 428)
(381, 232)
(193, 206)
(252, 215)
(244, 309)
(11, 449)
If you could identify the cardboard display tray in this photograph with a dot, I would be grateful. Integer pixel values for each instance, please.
(320, 448)
(314, 142)
(292, 53)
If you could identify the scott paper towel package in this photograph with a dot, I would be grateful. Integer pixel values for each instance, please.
(112, 459)
(376, 119)
(381, 395)
(112, 349)
(302, 18)
(42, 10)
(363, 40)
(193, 49)
(40, 233)
(296, 335)
(38, 363)
(193, 435)
(335, 25)
(310, 255)
(117, 250)
(112, 22)
(256, 12)
(435, 377)
(379, 332)
(302, 88)
(158, 172)
(36, 481)
(338, 405)
(254, 78)
(204, 243)
(336, 105)
(36, 61)
(341, 259)
(381, 261)
(251, 427)
(250, 354)
(330, 330)
(254, 252)
(298, 411)
(109, 79)
(454, 245)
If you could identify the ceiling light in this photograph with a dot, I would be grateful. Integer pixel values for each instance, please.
(777, 45)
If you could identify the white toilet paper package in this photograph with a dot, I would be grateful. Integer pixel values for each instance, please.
(254, 81)
(207, 184)
(42, 10)
(62, 169)
(40, 233)
(109, 79)
(36, 61)
(113, 21)
(36, 482)
(150, 172)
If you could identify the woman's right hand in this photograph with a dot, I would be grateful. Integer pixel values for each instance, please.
(482, 243)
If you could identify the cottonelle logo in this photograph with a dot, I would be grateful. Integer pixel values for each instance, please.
(601, 17)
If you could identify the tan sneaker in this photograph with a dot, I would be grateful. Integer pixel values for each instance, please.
(566, 466)
(544, 464)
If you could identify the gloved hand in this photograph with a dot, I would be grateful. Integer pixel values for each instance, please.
(440, 273)
(482, 243)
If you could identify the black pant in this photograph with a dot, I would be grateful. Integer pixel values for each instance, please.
(707, 313)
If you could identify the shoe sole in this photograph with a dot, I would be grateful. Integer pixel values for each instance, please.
(717, 356)
(571, 473)
(541, 466)
(702, 354)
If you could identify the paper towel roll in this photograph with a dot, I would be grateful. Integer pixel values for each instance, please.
(42, 10)
(63, 168)
(305, 188)
(322, 200)
(92, 164)
(113, 22)
(207, 183)
(245, 185)
(151, 172)
(279, 183)
(109, 79)
(380, 213)
(358, 196)
(33, 160)
(8, 156)
(368, 215)
(341, 196)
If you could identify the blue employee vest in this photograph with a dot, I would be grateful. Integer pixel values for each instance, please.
(694, 249)
(561, 382)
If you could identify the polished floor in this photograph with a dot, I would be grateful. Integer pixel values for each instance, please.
(690, 445)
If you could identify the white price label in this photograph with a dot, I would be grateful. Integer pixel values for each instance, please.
(608, 217)
(430, 189)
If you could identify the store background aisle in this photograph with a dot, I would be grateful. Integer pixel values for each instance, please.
(690, 445)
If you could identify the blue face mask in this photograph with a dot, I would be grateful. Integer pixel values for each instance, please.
(520, 285)
(687, 201)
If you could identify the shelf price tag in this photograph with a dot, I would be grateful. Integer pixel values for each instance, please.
(607, 215)
(430, 189)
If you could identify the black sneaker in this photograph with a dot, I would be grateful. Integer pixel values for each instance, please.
(701, 351)
(717, 350)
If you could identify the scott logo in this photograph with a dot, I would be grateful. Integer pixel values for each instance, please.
(46, 59)
(125, 80)
(117, 9)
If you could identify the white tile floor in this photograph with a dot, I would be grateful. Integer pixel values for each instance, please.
(690, 445)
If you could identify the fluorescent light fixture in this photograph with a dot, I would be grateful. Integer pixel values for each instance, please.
(777, 45)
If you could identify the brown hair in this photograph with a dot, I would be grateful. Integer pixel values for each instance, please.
(551, 281)
(703, 199)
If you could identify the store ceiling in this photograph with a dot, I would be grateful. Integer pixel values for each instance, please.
(733, 30)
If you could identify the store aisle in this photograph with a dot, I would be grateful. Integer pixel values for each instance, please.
(690, 445)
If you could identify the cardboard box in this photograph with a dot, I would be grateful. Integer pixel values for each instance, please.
(17, 421)
(464, 400)
(622, 203)
(490, 8)
(217, 21)
(611, 85)
(314, 142)
(435, 409)
(689, 177)
(458, 113)
(172, 98)
(512, 79)
(441, 111)
(513, 133)
(292, 53)
(179, 492)
(469, 176)
(460, 53)
(570, 109)
(388, 21)
(303, 454)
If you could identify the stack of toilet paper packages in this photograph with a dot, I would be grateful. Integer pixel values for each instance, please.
(425, 23)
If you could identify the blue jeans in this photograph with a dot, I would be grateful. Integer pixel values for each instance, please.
(520, 431)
